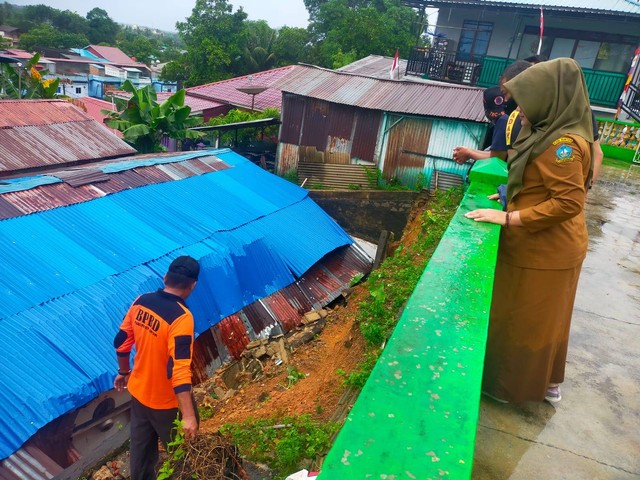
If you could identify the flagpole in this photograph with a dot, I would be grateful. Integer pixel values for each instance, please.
(541, 31)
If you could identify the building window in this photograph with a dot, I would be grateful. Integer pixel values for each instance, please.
(592, 50)
(78, 89)
(474, 39)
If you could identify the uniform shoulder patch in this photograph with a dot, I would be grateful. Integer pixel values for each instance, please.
(563, 140)
(564, 154)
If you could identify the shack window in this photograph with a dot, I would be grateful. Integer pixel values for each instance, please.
(474, 39)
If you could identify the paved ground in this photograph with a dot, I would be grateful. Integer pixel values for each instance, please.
(594, 432)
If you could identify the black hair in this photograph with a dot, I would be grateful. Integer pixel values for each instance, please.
(536, 59)
(177, 280)
(514, 69)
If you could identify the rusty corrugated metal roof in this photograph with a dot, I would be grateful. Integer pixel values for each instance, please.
(434, 99)
(45, 133)
(88, 182)
(227, 90)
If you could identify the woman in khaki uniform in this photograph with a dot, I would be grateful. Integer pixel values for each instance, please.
(544, 237)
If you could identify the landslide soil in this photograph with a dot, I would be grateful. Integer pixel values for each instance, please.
(321, 394)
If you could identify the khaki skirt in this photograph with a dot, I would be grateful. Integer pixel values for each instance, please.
(528, 331)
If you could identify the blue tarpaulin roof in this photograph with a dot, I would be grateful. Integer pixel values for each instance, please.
(70, 273)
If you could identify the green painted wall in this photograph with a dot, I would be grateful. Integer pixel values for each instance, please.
(416, 416)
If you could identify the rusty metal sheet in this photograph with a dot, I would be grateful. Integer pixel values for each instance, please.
(281, 309)
(22, 113)
(316, 118)
(30, 147)
(292, 115)
(234, 335)
(406, 152)
(365, 134)
(205, 354)
(259, 317)
(287, 158)
(435, 99)
(341, 124)
(297, 298)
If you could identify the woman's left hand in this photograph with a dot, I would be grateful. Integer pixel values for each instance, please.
(488, 215)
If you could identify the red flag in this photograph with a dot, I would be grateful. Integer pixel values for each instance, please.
(541, 31)
(395, 68)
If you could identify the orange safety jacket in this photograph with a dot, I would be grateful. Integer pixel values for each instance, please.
(161, 327)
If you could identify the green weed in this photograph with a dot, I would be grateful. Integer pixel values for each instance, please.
(390, 286)
(281, 443)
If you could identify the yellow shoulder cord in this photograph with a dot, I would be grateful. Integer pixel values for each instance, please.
(510, 122)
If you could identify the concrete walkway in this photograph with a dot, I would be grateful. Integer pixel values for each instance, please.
(594, 432)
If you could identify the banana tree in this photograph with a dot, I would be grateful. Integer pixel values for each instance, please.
(144, 122)
(26, 81)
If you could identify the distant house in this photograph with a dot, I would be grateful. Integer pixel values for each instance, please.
(43, 134)
(249, 92)
(334, 123)
(84, 73)
(475, 39)
(81, 243)
(10, 34)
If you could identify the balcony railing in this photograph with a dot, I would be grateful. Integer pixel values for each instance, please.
(444, 66)
(484, 71)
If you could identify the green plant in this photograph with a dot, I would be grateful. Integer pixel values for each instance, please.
(373, 177)
(175, 452)
(353, 186)
(281, 443)
(356, 279)
(291, 176)
(205, 412)
(390, 286)
(293, 376)
(144, 122)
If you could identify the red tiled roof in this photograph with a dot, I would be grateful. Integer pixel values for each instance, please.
(113, 54)
(226, 90)
(42, 133)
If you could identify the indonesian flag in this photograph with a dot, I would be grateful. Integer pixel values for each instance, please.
(541, 31)
(394, 73)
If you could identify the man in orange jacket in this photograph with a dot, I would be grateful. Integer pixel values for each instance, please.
(161, 327)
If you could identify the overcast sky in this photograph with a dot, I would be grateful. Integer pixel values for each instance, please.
(163, 14)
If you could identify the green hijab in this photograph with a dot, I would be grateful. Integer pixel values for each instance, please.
(553, 96)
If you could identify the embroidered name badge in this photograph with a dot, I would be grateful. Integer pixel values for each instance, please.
(563, 140)
(564, 154)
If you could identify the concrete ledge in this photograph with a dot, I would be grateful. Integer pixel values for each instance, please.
(416, 416)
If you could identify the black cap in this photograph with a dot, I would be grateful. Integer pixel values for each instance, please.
(185, 266)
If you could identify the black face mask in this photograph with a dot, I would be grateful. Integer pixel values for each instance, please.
(509, 106)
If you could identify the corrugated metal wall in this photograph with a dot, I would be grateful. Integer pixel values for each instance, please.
(445, 136)
(406, 148)
(316, 131)
(413, 148)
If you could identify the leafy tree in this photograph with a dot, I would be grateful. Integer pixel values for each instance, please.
(178, 70)
(70, 22)
(47, 36)
(144, 49)
(258, 53)
(292, 46)
(361, 27)
(143, 122)
(246, 135)
(26, 82)
(101, 27)
(213, 35)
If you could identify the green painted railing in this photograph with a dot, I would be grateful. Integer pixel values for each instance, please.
(604, 87)
(492, 69)
(416, 416)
